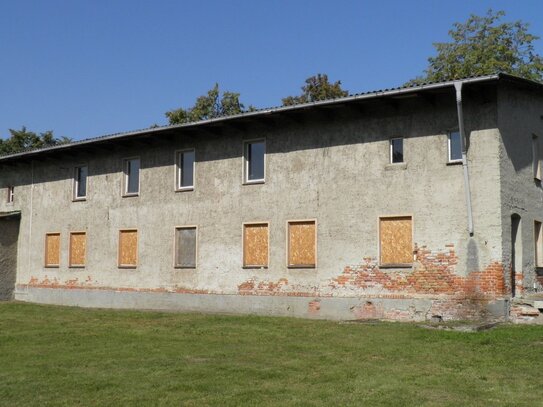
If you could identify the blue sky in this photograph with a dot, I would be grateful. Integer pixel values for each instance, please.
(89, 68)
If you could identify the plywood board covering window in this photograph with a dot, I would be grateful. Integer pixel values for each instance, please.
(52, 249)
(396, 240)
(78, 249)
(255, 245)
(302, 243)
(185, 247)
(128, 248)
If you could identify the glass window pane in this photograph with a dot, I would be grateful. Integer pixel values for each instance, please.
(185, 247)
(397, 150)
(132, 176)
(255, 157)
(187, 169)
(82, 182)
(455, 147)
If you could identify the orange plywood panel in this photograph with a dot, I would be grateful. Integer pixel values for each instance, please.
(78, 248)
(128, 248)
(396, 240)
(302, 244)
(52, 249)
(255, 245)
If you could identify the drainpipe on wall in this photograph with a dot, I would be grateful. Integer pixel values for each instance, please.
(467, 193)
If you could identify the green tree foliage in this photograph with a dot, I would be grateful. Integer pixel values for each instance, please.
(208, 107)
(316, 88)
(21, 140)
(485, 45)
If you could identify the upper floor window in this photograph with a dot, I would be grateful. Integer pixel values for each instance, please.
(396, 150)
(454, 146)
(185, 163)
(254, 157)
(536, 161)
(11, 194)
(131, 176)
(80, 182)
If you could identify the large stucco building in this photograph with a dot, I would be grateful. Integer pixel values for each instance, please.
(408, 204)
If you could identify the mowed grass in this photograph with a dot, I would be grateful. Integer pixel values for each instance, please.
(71, 356)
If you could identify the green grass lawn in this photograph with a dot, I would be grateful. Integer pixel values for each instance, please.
(71, 356)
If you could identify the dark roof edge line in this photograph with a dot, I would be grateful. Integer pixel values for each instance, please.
(262, 112)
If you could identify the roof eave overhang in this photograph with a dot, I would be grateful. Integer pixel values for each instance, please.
(260, 113)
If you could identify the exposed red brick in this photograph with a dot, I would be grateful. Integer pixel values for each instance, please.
(314, 307)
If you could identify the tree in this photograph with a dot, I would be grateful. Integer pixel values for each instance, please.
(208, 107)
(485, 45)
(21, 140)
(316, 88)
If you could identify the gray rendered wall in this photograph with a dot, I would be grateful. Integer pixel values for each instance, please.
(332, 169)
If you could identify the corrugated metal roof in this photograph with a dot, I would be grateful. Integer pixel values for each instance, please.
(270, 110)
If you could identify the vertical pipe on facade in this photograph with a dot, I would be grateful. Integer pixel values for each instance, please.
(462, 131)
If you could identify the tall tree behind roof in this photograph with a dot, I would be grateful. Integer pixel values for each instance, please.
(484, 45)
(209, 106)
(22, 140)
(316, 88)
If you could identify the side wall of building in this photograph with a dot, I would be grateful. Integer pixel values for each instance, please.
(9, 232)
(334, 170)
(520, 121)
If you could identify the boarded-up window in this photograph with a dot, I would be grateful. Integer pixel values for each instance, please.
(538, 239)
(185, 247)
(302, 244)
(128, 248)
(52, 249)
(396, 240)
(255, 245)
(78, 249)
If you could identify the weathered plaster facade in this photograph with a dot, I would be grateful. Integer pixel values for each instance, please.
(328, 163)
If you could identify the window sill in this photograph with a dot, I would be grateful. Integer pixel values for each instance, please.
(127, 267)
(79, 199)
(130, 195)
(184, 267)
(255, 182)
(301, 267)
(396, 266)
(455, 162)
(184, 189)
(254, 267)
(395, 166)
(82, 266)
(52, 266)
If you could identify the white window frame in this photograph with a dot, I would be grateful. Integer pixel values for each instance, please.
(449, 159)
(246, 144)
(178, 170)
(391, 150)
(76, 184)
(536, 159)
(125, 177)
(11, 194)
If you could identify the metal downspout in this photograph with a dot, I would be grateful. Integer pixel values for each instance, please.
(467, 193)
